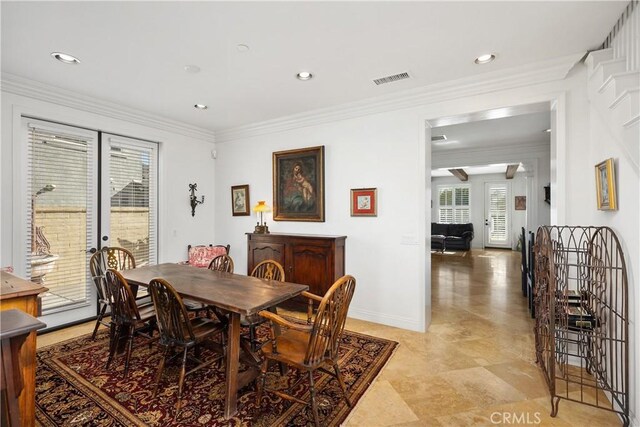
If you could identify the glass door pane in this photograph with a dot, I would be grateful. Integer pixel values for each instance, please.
(129, 205)
(61, 226)
(497, 220)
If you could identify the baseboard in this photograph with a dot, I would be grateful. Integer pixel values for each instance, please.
(388, 320)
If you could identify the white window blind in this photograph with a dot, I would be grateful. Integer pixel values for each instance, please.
(454, 204)
(498, 213)
(61, 213)
(133, 197)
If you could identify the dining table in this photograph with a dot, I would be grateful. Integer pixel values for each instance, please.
(236, 294)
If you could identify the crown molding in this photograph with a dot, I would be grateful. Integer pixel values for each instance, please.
(532, 74)
(11, 83)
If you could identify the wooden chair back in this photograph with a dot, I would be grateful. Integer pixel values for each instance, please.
(106, 258)
(270, 270)
(124, 309)
(222, 263)
(329, 322)
(173, 320)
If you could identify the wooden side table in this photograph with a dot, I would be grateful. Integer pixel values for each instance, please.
(15, 327)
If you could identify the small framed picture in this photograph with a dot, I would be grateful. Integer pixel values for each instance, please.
(240, 204)
(364, 202)
(606, 186)
(521, 203)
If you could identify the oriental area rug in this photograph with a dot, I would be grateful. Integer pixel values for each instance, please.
(73, 388)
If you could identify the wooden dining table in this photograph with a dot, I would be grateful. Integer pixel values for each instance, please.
(235, 293)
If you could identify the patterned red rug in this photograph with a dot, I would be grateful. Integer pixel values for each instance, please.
(73, 388)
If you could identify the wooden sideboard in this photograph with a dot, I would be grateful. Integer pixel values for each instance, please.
(313, 260)
(21, 294)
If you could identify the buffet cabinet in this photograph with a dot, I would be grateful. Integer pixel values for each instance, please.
(313, 260)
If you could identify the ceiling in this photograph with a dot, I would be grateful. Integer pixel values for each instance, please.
(508, 131)
(134, 53)
(522, 126)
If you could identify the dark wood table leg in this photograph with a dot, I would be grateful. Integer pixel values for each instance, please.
(233, 364)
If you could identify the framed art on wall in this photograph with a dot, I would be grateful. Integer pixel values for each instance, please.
(364, 202)
(240, 204)
(298, 185)
(606, 186)
(521, 203)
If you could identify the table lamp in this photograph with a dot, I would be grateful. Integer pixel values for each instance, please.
(261, 227)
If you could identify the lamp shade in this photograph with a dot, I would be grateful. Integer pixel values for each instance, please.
(261, 207)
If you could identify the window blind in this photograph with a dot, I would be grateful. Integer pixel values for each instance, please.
(61, 213)
(133, 197)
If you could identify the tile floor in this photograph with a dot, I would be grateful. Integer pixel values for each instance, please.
(474, 367)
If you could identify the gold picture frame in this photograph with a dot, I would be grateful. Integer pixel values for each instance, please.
(606, 186)
(298, 185)
(240, 203)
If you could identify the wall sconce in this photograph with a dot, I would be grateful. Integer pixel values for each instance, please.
(194, 200)
(261, 227)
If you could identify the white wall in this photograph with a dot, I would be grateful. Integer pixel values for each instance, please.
(384, 253)
(182, 160)
(477, 199)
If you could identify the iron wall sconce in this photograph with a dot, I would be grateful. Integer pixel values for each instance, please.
(194, 200)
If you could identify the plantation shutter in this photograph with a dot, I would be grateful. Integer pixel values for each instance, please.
(454, 205)
(60, 226)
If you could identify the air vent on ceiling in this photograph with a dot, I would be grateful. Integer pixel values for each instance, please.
(391, 79)
(438, 138)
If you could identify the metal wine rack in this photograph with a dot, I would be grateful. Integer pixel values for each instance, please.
(582, 323)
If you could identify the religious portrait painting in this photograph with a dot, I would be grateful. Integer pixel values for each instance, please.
(298, 185)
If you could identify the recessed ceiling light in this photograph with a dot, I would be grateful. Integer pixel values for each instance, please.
(242, 48)
(193, 69)
(304, 75)
(66, 58)
(200, 106)
(485, 59)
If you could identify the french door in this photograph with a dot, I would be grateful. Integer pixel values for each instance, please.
(86, 190)
(497, 231)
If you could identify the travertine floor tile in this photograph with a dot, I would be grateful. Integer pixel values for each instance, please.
(382, 407)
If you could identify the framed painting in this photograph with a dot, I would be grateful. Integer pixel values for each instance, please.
(240, 205)
(298, 185)
(606, 186)
(364, 202)
(521, 203)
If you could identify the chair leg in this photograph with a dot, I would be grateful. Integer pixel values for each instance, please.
(113, 342)
(262, 381)
(252, 338)
(314, 404)
(129, 349)
(181, 380)
(160, 369)
(103, 310)
(342, 385)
